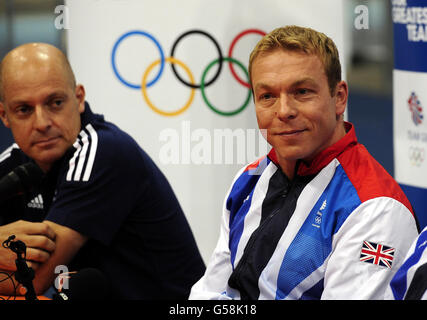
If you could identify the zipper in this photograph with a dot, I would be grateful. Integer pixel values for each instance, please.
(242, 265)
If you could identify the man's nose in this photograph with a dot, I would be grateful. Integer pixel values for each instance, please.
(287, 108)
(42, 121)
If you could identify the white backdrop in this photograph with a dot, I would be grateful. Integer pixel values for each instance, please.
(184, 146)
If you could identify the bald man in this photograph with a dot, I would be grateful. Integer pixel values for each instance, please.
(103, 203)
(42, 69)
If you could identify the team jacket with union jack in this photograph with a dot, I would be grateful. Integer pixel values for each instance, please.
(339, 230)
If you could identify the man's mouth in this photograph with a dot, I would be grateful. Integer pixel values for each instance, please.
(292, 132)
(46, 142)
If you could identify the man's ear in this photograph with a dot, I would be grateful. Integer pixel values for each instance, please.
(3, 115)
(341, 97)
(80, 96)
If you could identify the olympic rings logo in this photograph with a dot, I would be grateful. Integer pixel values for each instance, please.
(204, 83)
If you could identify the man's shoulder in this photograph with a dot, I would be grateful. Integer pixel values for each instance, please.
(368, 176)
(11, 157)
(246, 179)
(7, 153)
(110, 141)
(101, 147)
(252, 171)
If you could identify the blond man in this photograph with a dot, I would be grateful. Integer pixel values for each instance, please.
(318, 217)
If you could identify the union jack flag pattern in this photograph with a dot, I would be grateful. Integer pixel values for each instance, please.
(377, 254)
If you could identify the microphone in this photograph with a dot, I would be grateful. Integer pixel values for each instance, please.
(24, 274)
(20, 180)
(86, 284)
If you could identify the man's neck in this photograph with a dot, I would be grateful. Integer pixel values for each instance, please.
(44, 166)
(288, 167)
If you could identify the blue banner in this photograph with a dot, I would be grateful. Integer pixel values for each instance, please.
(410, 101)
(410, 35)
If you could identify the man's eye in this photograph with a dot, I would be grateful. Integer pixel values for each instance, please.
(57, 102)
(24, 109)
(266, 96)
(302, 91)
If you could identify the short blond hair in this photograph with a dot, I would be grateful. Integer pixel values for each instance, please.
(300, 39)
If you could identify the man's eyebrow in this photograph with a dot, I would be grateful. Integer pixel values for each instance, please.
(19, 102)
(51, 96)
(261, 85)
(305, 81)
(56, 94)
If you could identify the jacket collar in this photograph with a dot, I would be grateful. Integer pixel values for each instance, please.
(324, 157)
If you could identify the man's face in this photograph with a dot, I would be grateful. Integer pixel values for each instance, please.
(42, 108)
(293, 103)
